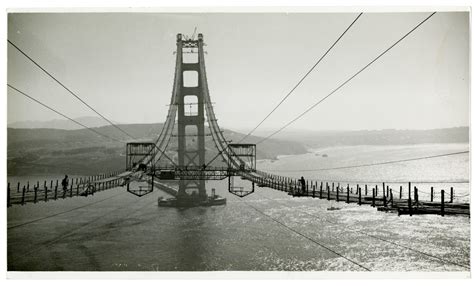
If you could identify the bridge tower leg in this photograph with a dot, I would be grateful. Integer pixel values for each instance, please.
(190, 100)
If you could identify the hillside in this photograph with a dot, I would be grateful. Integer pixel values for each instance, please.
(91, 121)
(316, 139)
(82, 152)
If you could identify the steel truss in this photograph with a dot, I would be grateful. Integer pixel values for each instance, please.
(240, 158)
(194, 173)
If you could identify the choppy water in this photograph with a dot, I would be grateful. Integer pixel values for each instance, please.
(439, 173)
(267, 230)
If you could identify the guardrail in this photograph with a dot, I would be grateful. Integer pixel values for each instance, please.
(52, 190)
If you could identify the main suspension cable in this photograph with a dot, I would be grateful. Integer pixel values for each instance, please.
(63, 115)
(68, 90)
(79, 98)
(374, 164)
(374, 236)
(307, 237)
(345, 82)
(302, 79)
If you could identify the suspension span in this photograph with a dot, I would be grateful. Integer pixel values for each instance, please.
(191, 171)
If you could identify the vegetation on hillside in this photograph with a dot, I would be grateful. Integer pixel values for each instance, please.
(82, 152)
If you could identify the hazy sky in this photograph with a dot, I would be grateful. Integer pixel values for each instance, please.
(123, 64)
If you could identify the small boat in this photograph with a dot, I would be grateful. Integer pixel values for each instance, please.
(170, 202)
(333, 209)
(215, 201)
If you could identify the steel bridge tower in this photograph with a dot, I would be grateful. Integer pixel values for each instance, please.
(190, 94)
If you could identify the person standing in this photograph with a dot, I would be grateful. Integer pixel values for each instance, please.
(303, 185)
(65, 183)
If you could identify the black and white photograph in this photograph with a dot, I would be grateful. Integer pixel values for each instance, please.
(285, 140)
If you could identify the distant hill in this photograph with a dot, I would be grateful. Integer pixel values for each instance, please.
(315, 139)
(51, 151)
(81, 152)
(90, 121)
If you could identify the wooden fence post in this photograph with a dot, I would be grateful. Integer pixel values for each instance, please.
(373, 197)
(18, 187)
(409, 199)
(36, 194)
(442, 202)
(56, 192)
(400, 192)
(384, 197)
(329, 191)
(45, 193)
(321, 191)
(314, 191)
(416, 196)
(337, 193)
(360, 195)
(347, 197)
(72, 187)
(452, 195)
(376, 190)
(23, 196)
(8, 195)
(432, 194)
(391, 198)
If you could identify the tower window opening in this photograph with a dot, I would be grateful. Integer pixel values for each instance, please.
(190, 79)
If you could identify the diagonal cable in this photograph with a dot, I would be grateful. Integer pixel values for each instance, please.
(347, 81)
(71, 92)
(307, 237)
(63, 115)
(374, 164)
(302, 79)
